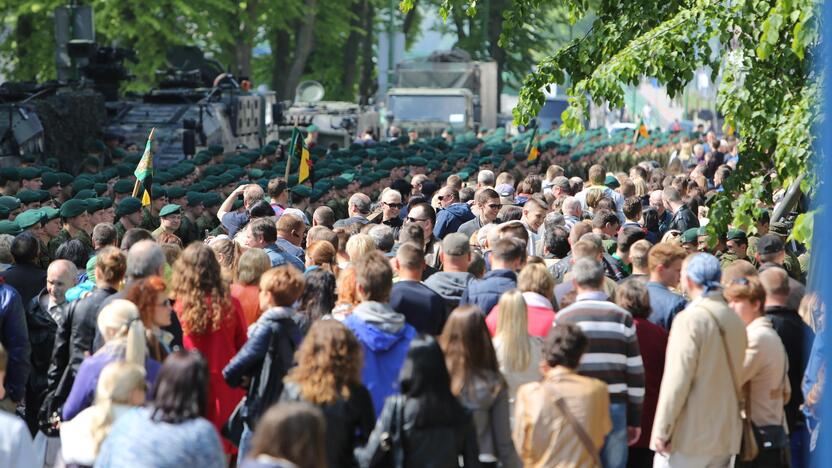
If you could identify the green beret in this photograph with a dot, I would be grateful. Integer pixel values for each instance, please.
(11, 203)
(49, 180)
(9, 227)
(312, 128)
(195, 198)
(93, 205)
(28, 196)
(73, 208)
(417, 161)
(611, 182)
(82, 183)
(4, 212)
(124, 170)
(316, 195)
(169, 209)
(29, 218)
(690, 236)
(737, 234)
(702, 231)
(9, 173)
(301, 191)
(211, 199)
(215, 150)
(176, 192)
(157, 192)
(43, 194)
(238, 204)
(50, 213)
(29, 173)
(202, 158)
(85, 194)
(123, 186)
(105, 202)
(128, 205)
(341, 182)
(119, 153)
(65, 179)
(100, 188)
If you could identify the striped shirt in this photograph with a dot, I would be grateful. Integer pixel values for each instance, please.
(613, 355)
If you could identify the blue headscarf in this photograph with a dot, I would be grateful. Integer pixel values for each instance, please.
(704, 270)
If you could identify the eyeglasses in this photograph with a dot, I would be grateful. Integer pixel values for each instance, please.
(397, 206)
(742, 281)
(411, 219)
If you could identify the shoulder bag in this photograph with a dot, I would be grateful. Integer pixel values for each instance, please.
(748, 447)
(583, 436)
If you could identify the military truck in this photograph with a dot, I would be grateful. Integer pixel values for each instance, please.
(445, 90)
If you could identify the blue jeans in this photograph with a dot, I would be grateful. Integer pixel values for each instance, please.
(799, 442)
(614, 453)
(245, 442)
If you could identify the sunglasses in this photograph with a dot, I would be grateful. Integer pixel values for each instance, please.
(415, 220)
(398, 206)
(741, 281)
(494, 206)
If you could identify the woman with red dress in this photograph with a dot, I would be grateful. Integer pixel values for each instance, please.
(212, 322)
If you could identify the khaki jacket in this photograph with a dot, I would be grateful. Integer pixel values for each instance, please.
(543, 436)
(697, 411)
(765, 368)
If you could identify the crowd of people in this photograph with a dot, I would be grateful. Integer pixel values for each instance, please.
(437, 302)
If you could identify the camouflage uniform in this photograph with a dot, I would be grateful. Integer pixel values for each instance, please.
(120, 230)
(188, 231)
(64, 236)
(149, 220)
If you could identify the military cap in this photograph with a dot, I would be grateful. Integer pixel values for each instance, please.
(128, 205)
(124, 170)
(85, 194)
(780, 228)
(50, 213)
(611, 182)
(202, 158)
(340, 182)
(93, 205)
(169, 209)
(11, 203)
(29, 173)
(28, 196)
(73, 208)
(4, 212)
(690, 236)
(49, 180)
(119, 153)
(702, 231)
(312, 128)
(195, 198)
(29, 218)
(105, 202)
(65, 179)
(211, 199)
(737, 234)
(301, 191)
(238, 204)
(123, 186)
(9, 227)
(100, 188)
(82, 183)
(215, 150)
(9, 173)
(176, 192)
(157, 192)
(770, 244)
(417, 161)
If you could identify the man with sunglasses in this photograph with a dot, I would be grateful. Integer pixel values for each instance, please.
(391, 208)
(488, 205)
(453, 214)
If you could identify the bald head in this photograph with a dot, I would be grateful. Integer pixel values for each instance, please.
(145, 259)
(359, 204)
(60, 276)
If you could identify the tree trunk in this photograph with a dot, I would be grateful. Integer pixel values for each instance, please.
(243, 38)
(280, 55)
(495, 27)
(304, 43)
(351, 49)
(368, 86)
(23, 33)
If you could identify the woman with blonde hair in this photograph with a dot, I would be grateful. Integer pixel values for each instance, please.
(124, 340)
(328, 375)
(228, 255)
(518, 353)
(322, 254)
(253, 263)
(212, 322)
(538, 287)
(358, 245)
(120, 388)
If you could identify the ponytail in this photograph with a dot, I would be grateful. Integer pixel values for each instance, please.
(120, 320)
(136, 343)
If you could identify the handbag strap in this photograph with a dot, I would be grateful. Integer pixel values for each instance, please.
(398, 432)
(742, 402)
(583, 436)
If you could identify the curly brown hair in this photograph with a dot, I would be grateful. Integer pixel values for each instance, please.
(199, 289)
(329, 361)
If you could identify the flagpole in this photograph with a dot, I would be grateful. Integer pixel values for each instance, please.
(136, 185)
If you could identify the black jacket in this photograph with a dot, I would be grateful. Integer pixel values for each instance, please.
(349, 423)
(611, 270)
(683, 219)
(175, 328)
(438, 446)
(266, 357)
(797, 338)
(73, 342)
(42, 328)
(28, 280)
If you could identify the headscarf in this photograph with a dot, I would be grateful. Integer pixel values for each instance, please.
(704, 270)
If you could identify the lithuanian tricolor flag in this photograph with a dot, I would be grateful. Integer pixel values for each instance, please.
(144, 172)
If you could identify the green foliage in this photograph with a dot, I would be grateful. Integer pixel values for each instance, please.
(762, 50)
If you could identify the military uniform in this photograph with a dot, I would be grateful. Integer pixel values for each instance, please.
(188, 231)
(339, 207)
(43, 255)
(64, 236)
(149, 220)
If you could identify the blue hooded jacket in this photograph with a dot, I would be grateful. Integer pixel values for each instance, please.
(385, 337)
(449, 219)
(485, 293)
